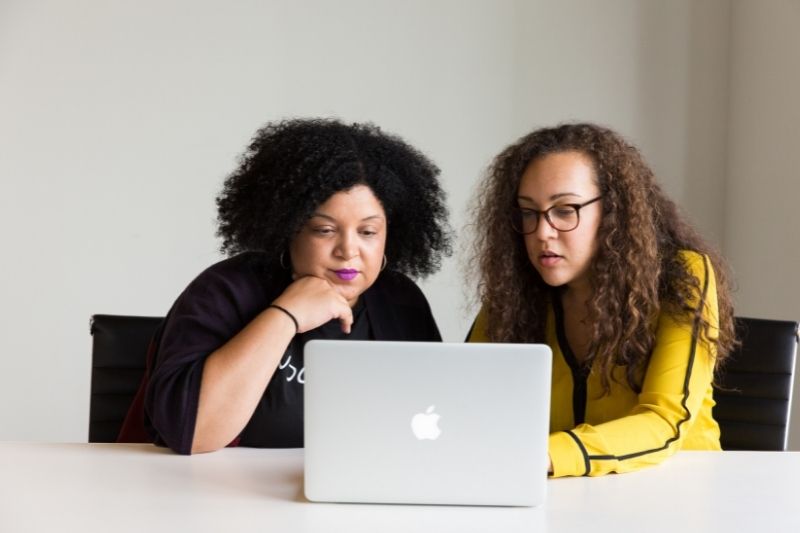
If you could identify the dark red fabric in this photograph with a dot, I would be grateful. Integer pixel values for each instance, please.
(133, 429)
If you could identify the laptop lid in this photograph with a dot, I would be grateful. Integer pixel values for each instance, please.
(429, 423)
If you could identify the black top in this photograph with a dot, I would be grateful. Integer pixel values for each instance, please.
(277, 421)
(218, 304)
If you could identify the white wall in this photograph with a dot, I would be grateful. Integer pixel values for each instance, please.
(652, 70)
(763, 186)
(119, 121)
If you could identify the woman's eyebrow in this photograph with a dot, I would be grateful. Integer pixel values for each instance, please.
(332, 219)
(552, 198)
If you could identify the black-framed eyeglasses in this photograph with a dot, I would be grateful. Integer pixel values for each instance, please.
(562, 217)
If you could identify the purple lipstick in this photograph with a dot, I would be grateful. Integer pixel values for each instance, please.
(346, 274)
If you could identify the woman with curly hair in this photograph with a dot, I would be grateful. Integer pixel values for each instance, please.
(579, 248)
(323, 222)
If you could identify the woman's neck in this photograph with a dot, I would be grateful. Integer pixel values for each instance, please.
(576, 296)
(577, 329)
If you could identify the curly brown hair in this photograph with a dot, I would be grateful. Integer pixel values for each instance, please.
(637, 273)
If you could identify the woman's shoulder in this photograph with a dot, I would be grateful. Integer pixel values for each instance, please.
(698, 265)
(479, 327)
(238, 279)
(695, 261)
(702, 290)
(240, 266)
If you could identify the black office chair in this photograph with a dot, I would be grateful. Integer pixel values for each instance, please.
(755, 387)
(119, 349)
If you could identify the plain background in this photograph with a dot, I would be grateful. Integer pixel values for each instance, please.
(119, 120)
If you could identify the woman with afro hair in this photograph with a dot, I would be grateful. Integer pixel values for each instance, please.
(323, 223)
(579, 248)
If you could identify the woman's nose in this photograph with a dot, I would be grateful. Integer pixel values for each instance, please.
(347, 247)
(544, 230)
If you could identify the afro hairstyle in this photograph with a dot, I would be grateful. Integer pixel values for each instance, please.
(292, 167)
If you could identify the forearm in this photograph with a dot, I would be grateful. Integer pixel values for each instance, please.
(651, 431)
(235, 377)
(622, 445)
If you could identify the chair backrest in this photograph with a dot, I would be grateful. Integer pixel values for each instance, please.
(119, 349)
(754, 393)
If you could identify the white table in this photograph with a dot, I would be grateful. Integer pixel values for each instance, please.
(113, 487)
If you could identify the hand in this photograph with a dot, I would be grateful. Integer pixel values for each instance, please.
(314, 301)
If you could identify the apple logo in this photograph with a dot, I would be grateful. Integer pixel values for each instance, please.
(425, 425)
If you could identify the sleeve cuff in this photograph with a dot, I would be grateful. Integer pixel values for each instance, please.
(567, 456)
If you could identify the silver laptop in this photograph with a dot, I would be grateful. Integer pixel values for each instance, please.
(428, 423)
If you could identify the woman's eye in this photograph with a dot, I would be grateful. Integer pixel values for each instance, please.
(368, 232)
(564, 212)
(323, 231)
(528, 213)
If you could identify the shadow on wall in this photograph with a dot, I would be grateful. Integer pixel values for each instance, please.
(683, 71)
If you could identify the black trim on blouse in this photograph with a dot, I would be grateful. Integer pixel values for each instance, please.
(687, 378)
(580, 372)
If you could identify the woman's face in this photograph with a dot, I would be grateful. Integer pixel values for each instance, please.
(343, 242)
(561, 257)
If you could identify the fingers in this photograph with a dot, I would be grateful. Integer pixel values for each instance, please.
(315, 301)
(344, 312)
(346, 320)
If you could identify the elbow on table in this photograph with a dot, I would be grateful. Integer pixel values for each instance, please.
(205, 441)
(200, 445)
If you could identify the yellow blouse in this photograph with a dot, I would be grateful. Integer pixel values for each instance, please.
(624, 431)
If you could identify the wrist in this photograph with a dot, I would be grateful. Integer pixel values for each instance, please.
(288, 314)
